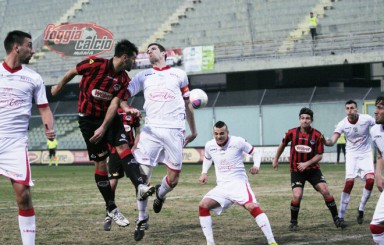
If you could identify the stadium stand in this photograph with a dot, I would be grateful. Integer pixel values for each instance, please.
(273, 33)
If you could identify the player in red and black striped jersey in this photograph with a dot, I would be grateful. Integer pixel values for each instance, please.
(306, 151)
(103, 89)
(115, 167)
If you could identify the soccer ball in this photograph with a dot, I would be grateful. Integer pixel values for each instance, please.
(198, 98)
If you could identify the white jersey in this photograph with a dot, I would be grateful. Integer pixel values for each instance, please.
(377, 134)
(228, 161)
(164, 93)
(17, 89)
(357, 135)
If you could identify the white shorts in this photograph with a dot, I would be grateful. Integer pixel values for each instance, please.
(14, 163)
(378, 215)
(358, 165)
(160, 145)
(236, 192)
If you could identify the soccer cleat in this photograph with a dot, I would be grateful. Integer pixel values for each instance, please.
(107, 223)
(140, 228)
(273, 243)
(340, 223)
(144, 191)
(118, 217)
(158, 202)
(293, 227)
(360, 217)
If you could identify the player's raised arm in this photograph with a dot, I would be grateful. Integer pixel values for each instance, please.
(55, 90)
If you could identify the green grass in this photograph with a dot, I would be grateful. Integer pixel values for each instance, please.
(70, 210)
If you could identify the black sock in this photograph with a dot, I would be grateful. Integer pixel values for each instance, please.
(132, 171)
(295, 208)
(332, 207)
(102, 183)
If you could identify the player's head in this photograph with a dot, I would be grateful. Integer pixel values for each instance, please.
(220, 133)
(351, 109)
(305, 117)
(127, 51)
(20, 43)
(379, 112)
(156, 52)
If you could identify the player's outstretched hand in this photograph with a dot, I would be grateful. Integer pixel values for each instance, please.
(97, 135)
(189, 138)
(133, 111)
(203, 179)
(55, 90)
(275, 164)
(254, 170)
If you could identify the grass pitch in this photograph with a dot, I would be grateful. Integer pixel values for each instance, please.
(70, 210)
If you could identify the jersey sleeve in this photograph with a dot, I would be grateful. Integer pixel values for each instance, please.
(184, 85)
(207, 161)
(136, 84)
(320, 144)
(39, 94)
(339, 128)
(287, 138)
(85, 67)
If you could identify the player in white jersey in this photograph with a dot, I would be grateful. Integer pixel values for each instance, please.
(377, 133)
(20, 85)
(162, 138)
(359, 158)
(232, 181)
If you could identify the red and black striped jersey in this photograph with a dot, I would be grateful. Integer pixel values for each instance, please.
(304, 146)
(99, 85)
(131, 122)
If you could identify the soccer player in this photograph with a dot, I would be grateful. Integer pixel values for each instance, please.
(19, 85)
(232, 181)
(52, 145)
(306, 152)
(359, 158)
(115, 167)
(377, 133)
(162, 138)
(103, 88)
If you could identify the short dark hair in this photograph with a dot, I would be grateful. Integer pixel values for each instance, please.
(351, 102)
(307, 111)
(15, 37)
(125, 47)
(379, 100)
(161, 47)
(220, 124)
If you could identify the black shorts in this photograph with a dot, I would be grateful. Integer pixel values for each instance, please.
(115, 136)
(313, 176)
(115, 167)
(52, 153)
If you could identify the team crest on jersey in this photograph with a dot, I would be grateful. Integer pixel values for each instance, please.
(116, 87)
(91, 61)
(128, 118)
(312, 142)
(303, 148)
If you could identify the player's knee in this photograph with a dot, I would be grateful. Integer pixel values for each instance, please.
(348, 186)
(369, 184)
(256, 211)
(23, 199)
(204, 211)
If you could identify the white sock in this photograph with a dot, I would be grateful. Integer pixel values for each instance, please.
(344, 201)
(164, 188)
(206, 226)
(142, 208)
(364, 199)
(263, 222)
(27, 226)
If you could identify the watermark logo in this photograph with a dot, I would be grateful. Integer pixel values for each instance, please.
(78, 39)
